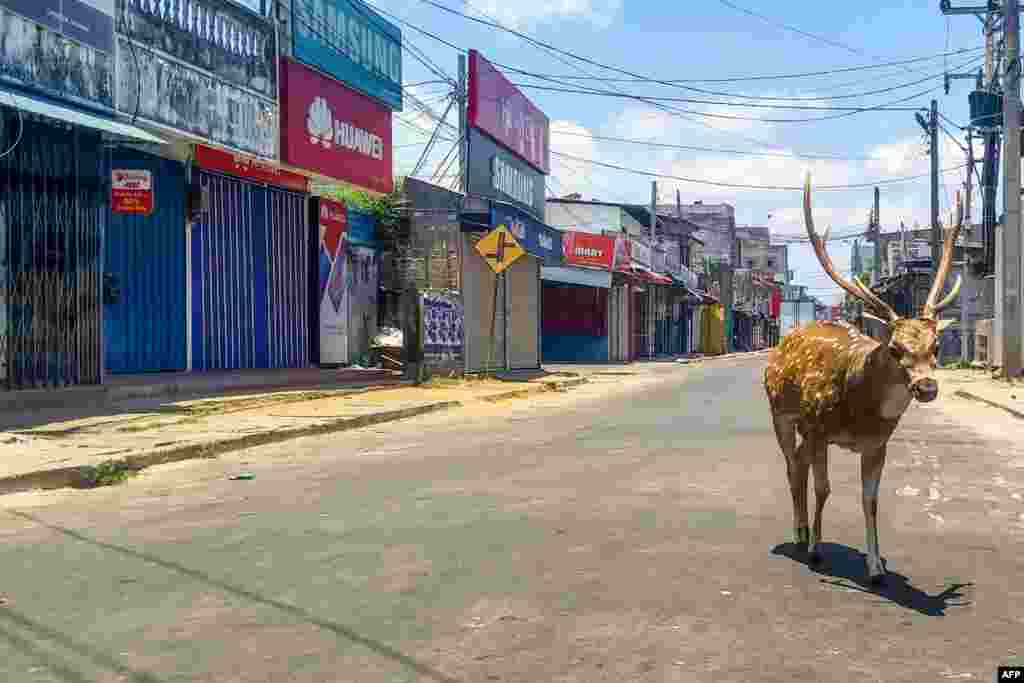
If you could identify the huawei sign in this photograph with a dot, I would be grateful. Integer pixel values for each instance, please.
(333, 130)
(327, 131)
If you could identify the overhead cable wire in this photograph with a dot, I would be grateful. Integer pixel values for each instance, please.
(762, 77)
(793, 29)
(781, 98)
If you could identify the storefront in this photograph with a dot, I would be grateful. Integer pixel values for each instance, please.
(335, 132)
(57, 116)
(503, 311)
(507, 159)
(577, 304)
(249, 265)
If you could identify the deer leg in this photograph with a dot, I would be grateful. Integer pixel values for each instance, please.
(819, 463)
(871, 463)
(785, 432)
(798, 469)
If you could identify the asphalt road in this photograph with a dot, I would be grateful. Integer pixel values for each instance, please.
(635, 529)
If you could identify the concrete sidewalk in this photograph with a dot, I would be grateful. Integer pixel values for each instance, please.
(979, 386)
(98, 450)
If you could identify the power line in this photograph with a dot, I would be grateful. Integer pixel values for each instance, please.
(673, 111)
(793, 29)
(720, 93)
(767, 77)
(665, 145)
(743, 105)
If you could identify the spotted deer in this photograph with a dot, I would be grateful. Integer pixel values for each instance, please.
(836, 386)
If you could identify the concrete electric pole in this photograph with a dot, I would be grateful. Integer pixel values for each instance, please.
(933, 131)
(1011, 251)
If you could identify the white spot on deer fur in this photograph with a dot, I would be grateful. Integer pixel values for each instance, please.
(908, 491)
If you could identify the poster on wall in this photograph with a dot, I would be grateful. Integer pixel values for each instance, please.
(334, 275)
(131, 191)
(442, 328)
(362, 298)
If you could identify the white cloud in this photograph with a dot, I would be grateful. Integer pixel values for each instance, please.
(524, 13)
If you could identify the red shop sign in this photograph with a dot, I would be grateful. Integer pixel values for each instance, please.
(499, 109)
(333, 130)
(250, 168)
(131, 191)
(333, 224)
(586, 249)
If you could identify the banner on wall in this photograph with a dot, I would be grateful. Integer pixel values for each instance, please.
(333, 282)
(588, 250)
(333, 130)
(442, 327)
(501, 110)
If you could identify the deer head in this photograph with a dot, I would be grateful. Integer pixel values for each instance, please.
(913, 342)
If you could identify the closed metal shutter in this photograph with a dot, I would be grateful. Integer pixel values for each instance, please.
(478, 296)
(144, 328)
(523, 280)
(249, 269)
(52, 215)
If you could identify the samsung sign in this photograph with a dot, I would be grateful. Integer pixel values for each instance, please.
(349, 41)
(496, 173)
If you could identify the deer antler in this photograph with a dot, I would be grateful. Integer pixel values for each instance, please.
(931, 309)
(857, 289)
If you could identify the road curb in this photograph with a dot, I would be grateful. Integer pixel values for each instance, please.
(84, 476)
(974, 397)
(724, 356)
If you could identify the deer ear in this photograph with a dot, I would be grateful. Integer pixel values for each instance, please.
(876, 318)
(943, 324)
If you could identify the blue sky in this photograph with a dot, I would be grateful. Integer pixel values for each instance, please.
(708, 39)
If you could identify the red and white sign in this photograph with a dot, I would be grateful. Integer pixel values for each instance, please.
(586, 249)
(131, 191)
(251, 168)
(333, 130)
(499, 109)
(333, 224)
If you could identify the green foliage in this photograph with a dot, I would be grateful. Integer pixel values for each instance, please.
(108, 473)
(383, 207)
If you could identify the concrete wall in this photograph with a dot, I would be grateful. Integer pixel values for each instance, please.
(583, 217)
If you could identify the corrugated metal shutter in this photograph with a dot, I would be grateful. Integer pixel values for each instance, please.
(523, 280)
(478, 294)
(287, 275)
(52, 214)
(249, 266)
(144, 329)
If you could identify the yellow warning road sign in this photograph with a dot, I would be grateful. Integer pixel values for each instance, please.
(499, 248)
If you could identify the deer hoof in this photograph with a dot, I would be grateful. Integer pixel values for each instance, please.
(803, 536)
(877, 579)
(815, 556)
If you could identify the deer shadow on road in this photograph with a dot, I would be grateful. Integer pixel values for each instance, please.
(844, 567)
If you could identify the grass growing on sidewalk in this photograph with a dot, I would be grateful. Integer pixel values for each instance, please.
(107, 473)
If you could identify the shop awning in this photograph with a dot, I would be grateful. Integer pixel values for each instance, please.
(577, 276)
(651, 276)
(78, 118)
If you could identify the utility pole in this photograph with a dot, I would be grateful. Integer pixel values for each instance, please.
(1011, 251)
(463, 127)
(933, 124)
(968, 184)
(651, 324)
(876, 229)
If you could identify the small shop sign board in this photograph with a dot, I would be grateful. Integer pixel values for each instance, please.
(499, 248)
(131, 191)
